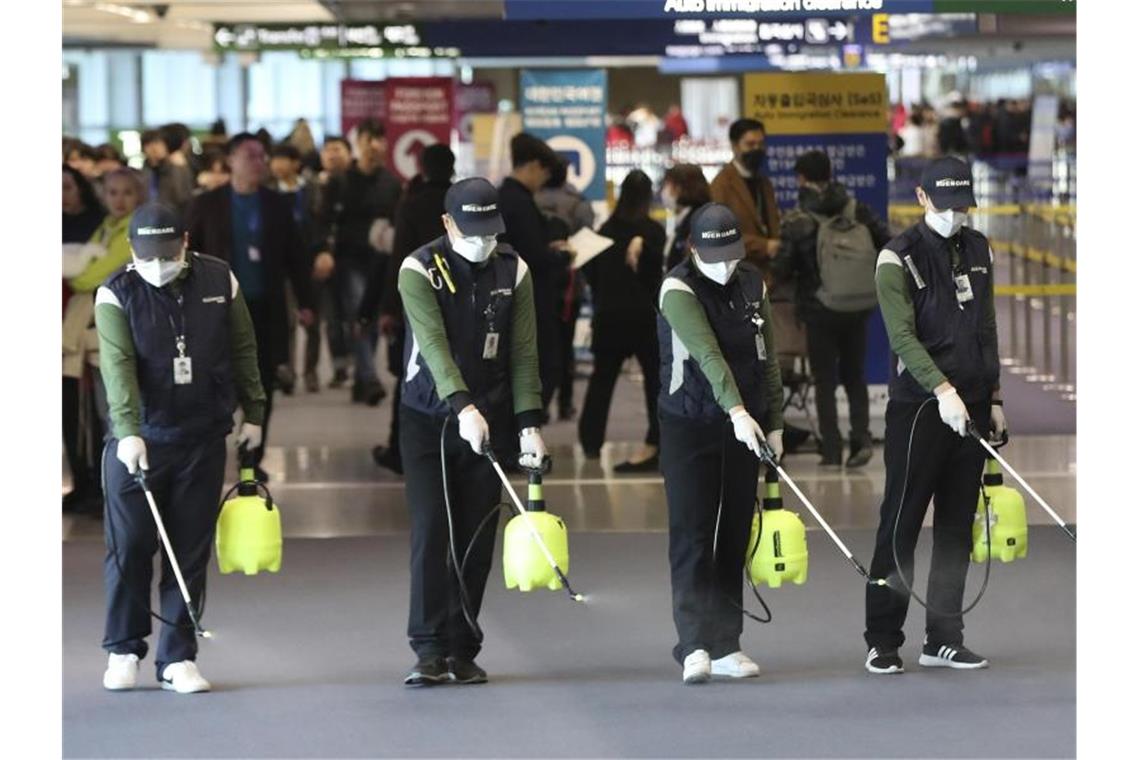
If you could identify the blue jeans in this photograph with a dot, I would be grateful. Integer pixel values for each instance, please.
(351, 278)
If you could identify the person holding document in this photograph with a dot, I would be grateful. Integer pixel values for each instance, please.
(624, 280)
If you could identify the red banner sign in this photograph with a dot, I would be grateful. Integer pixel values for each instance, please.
(361, 99)
(419, 115)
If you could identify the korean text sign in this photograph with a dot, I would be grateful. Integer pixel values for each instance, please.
(568, 110)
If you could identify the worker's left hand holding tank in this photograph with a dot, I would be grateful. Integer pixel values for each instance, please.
(249, 436)
(999, 428)
(775, 441)
(532, 448)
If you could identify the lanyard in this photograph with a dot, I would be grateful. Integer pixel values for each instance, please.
(179, 334)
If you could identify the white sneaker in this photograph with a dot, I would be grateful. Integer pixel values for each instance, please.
(122, 672)
(698, 669)
(184, 678)
(735, 665)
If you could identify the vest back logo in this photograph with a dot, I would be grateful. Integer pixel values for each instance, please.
(214, 299)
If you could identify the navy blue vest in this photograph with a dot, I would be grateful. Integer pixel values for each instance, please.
(733, 312)
(197, 305)
(482, 303)
(951, 334)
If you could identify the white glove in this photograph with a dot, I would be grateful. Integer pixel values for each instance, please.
(249, 435)
(532, 448)
(381, 235)
(998, 425)
(775, 441)
(746, 429)
(132, 453)
(953, 411)
(473, 429)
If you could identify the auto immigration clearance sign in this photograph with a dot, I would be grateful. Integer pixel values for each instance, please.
(810, 103)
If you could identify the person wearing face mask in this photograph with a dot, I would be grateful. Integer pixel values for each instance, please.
(720, 392)
(744, 187)
(935, 288)
(471, 383)
(178, 356)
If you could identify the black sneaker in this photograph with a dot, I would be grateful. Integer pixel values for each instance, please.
(312, 384)
(883, 661)
(339, 378)
(859, 457)
(388, 458)
(428, 671)
(652, 464)
(370, 393)
(465, 671)
(947, 656)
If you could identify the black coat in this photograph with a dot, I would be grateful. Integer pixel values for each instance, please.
(679, 248)
(351, 202)
(209, 223)
(625, 309)
(797, 259)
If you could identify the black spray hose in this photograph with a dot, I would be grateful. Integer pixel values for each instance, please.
(144, 603)
(464, 599)
(906, 587)
(751, 555)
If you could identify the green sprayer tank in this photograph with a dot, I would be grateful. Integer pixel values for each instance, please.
(525, 566)
(1009, 535)
(249, 529)
(782, 554)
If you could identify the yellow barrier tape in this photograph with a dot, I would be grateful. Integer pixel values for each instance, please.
(1069, 289)
(1035, 254)
(1065, 214)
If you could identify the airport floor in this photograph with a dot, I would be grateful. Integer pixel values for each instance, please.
(308, 662)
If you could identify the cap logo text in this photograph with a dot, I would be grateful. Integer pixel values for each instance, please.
(154, 231)
(952, 183)
(716, 234)
(476, 208)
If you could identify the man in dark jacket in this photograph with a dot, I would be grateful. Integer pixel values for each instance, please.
(419, 220)
(837, 340)
(532, 162)
(166, 181)
(358, 208)
(251, 228)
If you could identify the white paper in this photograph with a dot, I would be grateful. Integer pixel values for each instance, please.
(587, 244)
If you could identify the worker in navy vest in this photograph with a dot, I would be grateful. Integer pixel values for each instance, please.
(471, 382)
(720, 392)
(178, 356)
(936, 292)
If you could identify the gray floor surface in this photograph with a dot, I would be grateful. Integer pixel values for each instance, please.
(308, 663)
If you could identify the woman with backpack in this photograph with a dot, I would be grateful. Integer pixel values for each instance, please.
(828, 246)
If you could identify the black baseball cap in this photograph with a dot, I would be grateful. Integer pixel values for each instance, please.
(156, 232)
(948, 183)
(715, 233)
(474, 205)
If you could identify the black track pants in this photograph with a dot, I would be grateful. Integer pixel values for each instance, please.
(436, 625)
(947, 468)
(186, 480)
(698, 460)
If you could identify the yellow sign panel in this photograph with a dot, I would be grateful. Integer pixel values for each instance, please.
(811, 103)
(881, 28)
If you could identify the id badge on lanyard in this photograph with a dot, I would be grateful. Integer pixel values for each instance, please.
(183, 366)
(491, 342)
(963, 289)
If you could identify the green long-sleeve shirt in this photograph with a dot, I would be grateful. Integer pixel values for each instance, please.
(685, 315)
(112, 234)
(426, 320)
(898, 316)
(119, 367)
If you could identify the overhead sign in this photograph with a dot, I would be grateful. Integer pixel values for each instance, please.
(843, 115)
(568, 110)
(419, 115)
(331, 40)
(648, 9)
(360, 99)
(811, 103)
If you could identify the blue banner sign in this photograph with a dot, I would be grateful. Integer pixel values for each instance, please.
(567, 109)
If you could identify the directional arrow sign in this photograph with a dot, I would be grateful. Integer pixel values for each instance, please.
(839, 31)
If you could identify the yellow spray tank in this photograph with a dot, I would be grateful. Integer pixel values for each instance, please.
(525, 566)
(1009, 534)
(249, 529)
(782, 554)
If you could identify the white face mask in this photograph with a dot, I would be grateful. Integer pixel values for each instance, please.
(475, 249)
(719, 272)
(668, 199)
(158, 272)
(945, 223)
